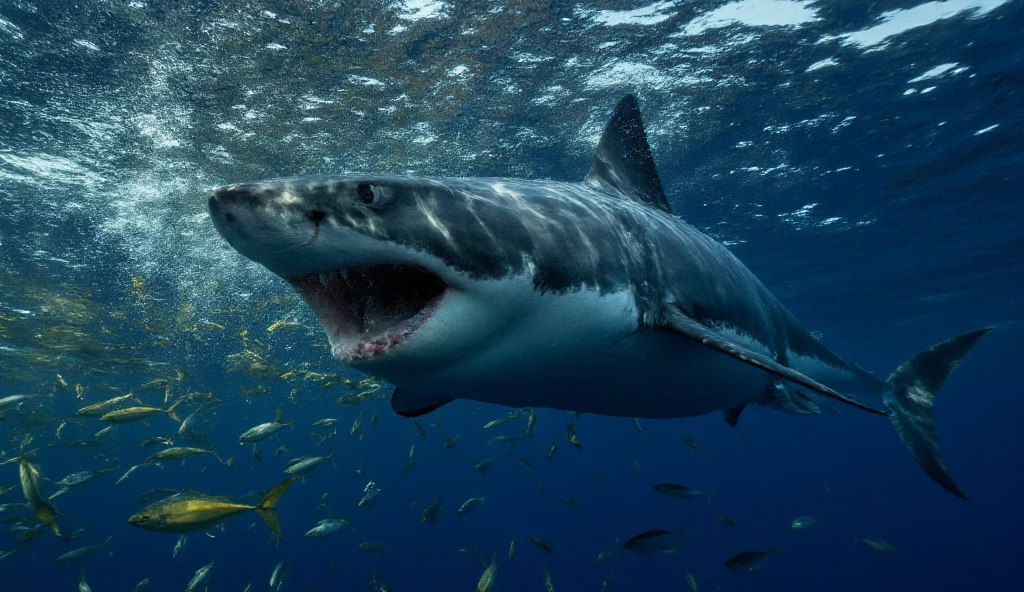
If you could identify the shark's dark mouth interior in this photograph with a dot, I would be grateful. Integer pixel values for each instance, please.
(367, 310)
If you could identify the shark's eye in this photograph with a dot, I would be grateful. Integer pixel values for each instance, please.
(365, 193)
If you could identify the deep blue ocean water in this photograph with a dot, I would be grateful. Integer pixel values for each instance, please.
(864, 160)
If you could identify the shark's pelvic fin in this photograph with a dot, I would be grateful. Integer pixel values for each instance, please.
(732, 416)
(911, 396)
(414, 404)
(624, 162)
(680, 323)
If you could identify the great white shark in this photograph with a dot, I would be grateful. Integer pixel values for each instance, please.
(588, 296)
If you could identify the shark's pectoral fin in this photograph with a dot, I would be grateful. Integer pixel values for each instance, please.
(678, 322)
(732, 416)
(414, 404)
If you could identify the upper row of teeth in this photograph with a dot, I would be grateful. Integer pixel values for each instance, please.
(331, 276)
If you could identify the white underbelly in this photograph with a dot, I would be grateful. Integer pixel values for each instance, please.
(625, 372)
(579, 351)
(653, 374)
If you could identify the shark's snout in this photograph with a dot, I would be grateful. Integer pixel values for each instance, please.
(228, 201)
(261, 219)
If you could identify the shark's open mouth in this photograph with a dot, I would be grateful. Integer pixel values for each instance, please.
(369, 309)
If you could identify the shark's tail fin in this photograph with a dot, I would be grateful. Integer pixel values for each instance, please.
(911, 396)
(268, 507)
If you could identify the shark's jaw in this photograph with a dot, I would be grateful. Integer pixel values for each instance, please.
(369, 310)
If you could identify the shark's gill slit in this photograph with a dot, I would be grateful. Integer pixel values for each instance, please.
(316, 217)
(367, 310)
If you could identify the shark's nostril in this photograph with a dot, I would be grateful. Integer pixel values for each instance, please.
(229, 217)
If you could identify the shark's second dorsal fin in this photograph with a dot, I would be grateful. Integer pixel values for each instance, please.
(623, 160)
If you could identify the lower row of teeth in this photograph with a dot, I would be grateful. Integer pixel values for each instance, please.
(365, 349)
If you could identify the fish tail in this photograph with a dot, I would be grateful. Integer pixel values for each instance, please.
(331, 456)
(910, 397)
(229, 462)
(170, 410)
(268, 506)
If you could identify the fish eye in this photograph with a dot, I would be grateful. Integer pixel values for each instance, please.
(365, 193)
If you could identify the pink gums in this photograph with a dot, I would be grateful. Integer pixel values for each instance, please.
(371, 346)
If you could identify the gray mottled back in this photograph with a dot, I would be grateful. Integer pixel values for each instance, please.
(567, 236)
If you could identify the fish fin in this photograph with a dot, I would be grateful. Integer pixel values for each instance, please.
(623, 161)
(170, 410)
(732, 416)
(267, 507)
(910, 397)
(679, 323)
(414, 404)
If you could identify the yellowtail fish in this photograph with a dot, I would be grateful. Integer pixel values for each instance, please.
(75, 554)
(101, 408)
(29, 474)
(749, 561)
(131, 414)
(488, 577)
(178, 514)
(181, 453)
(265, 430)
(878, 545)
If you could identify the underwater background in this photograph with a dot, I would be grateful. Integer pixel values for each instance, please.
(865, 160)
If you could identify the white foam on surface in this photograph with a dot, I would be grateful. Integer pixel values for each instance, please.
(628, 74)
(461, 72)
(825, 63)
(364, 80)
(986, 130)
(896, 22)
(937, 71)
(754, 13)
(415, 10)
(651, 14)
(87, 44)
(11, 29)
(47, 170)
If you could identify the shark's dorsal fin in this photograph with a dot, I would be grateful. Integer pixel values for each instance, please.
(623, 161)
